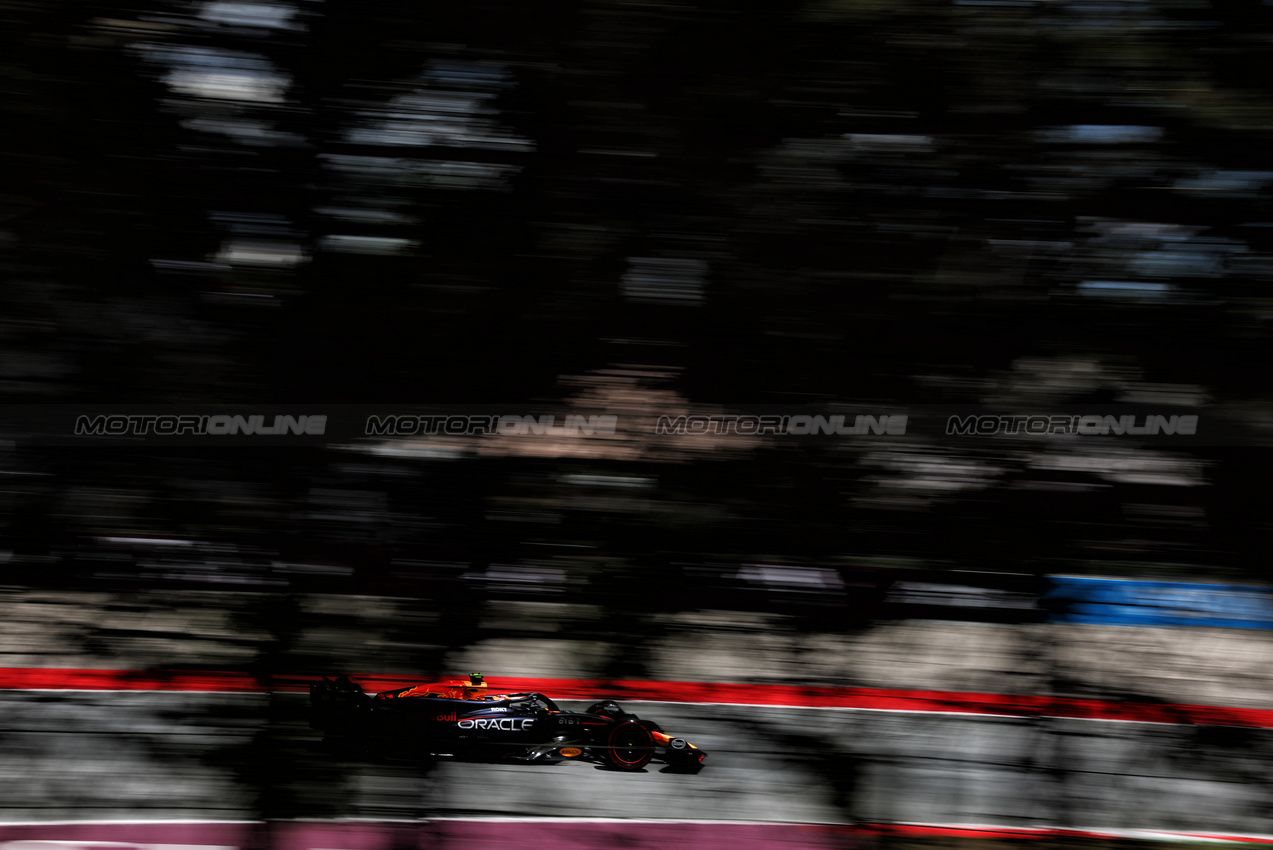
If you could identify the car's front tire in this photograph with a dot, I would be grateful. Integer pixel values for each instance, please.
(629, 746)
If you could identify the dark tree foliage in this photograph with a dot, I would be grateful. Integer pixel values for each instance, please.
(849, 202)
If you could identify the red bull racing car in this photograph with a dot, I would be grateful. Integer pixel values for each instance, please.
(463, 719)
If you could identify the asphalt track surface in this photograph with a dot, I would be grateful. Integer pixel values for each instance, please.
(74, 755)
(161, 755)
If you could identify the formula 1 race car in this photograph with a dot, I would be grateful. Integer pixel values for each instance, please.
(459, 718)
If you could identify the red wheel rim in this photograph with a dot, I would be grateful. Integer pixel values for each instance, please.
(631, 745)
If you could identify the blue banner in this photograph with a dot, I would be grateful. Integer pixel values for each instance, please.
(1157, 603)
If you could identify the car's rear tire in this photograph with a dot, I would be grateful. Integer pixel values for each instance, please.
(629, 746)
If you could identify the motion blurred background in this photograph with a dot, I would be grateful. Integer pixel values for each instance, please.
(643, 209)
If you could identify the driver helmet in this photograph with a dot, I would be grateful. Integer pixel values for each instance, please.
(476, 686)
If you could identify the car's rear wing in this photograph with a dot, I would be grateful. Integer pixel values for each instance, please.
(335, 702)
